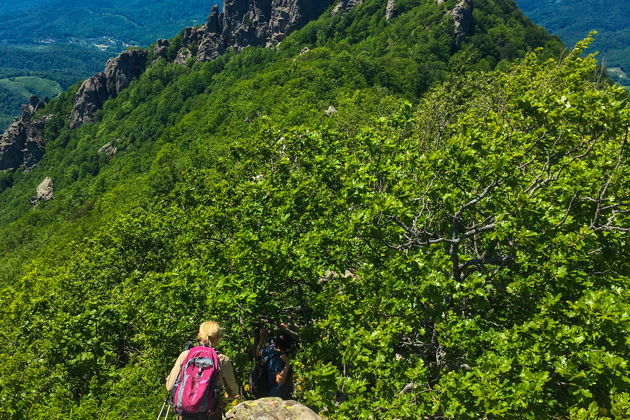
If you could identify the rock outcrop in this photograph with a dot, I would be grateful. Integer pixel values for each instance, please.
(118, 74)
(45, 192)
(462, 18)
(34, 104)
(23, 144)
(109, 149)
(462, 15)
(345, 6)
(271, 409)
(244, 23)
(390, 11)
(161, 49)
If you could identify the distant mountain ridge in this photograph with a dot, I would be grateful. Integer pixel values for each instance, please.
(572, 20)
(111, 22)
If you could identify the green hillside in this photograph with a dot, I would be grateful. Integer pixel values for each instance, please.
(26, 86)
(573, 20)
(451, 241)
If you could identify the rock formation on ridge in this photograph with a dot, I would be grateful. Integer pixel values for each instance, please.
(22, 144)
(118, 74)
(245, 23)
(242, 23)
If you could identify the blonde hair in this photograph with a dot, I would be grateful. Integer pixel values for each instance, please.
(210, 332)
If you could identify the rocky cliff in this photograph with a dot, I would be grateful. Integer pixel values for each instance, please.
(462, 15)
(119, 72)
(463, 20)
(22, 144)
(244, 23)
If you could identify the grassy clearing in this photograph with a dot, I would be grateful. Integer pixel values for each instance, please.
(26, 86)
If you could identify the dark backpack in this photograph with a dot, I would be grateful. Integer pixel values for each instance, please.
(258, 379)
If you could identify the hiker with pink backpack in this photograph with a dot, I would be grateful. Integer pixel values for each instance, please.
(197, 376)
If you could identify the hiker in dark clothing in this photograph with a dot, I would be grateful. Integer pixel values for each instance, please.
(278, 367)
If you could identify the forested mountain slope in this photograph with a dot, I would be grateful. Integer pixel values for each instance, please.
(572, 20)
(443, 217)
(49, 43)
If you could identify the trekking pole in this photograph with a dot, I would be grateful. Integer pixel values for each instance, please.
(167, 410)
(162, 410)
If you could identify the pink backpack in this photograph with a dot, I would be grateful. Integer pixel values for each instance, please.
(197, 387)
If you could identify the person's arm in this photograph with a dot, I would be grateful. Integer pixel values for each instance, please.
(293, 334)
(281, 377)
(227, 377)
(172, 377)
(261, 342)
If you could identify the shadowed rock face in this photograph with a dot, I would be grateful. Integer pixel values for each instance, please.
(118, 74)
(390, 11)
(22, 144)
(462, 18)
(271, 409)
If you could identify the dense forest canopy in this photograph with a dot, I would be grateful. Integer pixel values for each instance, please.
(451, 240)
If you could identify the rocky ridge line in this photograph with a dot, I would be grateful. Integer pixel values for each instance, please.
(242, 23)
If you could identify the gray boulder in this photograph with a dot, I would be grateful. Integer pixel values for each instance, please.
(109, 149)
(271, 409)
(45, 191)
